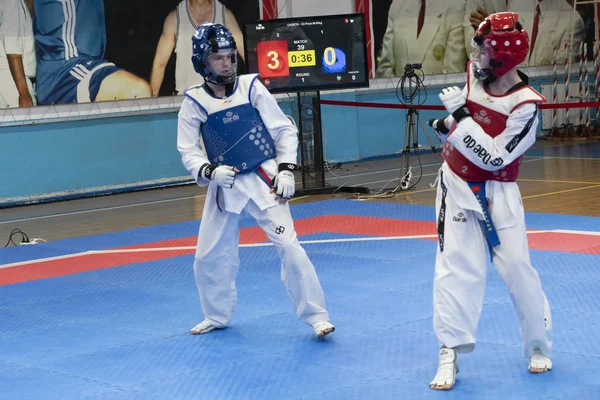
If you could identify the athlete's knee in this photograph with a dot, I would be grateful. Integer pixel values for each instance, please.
(214, 258)
(287, 244)
(123, 85)
(136, 88)
(517, 271)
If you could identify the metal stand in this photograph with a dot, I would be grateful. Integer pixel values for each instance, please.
(311, 149)
(411, 136)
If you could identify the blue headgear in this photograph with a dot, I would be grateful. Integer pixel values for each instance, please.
(209, 39)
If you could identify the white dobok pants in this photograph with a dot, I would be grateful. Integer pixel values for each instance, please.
(460, 269)
(216, 263)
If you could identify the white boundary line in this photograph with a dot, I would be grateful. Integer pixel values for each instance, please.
(149, 249)
(115, 208)
(101, 209)
(265, 244)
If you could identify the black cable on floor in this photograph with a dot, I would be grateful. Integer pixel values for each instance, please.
(16, 231)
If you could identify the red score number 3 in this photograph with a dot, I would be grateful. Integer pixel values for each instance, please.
(273, 58)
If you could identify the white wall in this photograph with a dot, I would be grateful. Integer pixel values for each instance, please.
(307, 8)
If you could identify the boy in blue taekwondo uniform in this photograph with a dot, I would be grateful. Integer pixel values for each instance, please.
(233, 137)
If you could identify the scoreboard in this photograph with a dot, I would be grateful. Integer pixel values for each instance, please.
(315, 53)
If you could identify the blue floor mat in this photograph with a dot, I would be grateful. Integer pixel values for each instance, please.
(122, 333)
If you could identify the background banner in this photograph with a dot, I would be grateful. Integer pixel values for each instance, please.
(437, 33)
(77, 51)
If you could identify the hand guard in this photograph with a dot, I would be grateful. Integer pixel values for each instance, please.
(455, 102)
(284, 184)
(439, 128)
(453, 98)
(223, 175)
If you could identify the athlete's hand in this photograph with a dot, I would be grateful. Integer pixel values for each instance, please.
(478, 16)
(25, 100)
(223, 175)
(439, 128)
(284, 184)
(453, 98)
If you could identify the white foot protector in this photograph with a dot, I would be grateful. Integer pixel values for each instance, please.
(203, 327)
(447, 370)
(323, 328)
(539, 363)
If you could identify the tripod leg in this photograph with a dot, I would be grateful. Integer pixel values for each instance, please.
(410, 135)
(415, 130)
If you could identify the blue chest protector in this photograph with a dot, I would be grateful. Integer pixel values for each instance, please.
(237, 136)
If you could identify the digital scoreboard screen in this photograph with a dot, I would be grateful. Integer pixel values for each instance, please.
(309, 53)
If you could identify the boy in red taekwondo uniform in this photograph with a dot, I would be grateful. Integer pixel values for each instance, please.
(493, 122)
(233, 137)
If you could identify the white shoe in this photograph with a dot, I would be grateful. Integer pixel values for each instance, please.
(447, 370)
(539, 363)
(203, 327)
(323, 328)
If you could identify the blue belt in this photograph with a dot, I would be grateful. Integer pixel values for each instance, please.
(478, 189)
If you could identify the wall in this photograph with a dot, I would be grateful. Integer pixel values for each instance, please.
(355, 133)
(75, 158)
(57, 159)
(69, 158)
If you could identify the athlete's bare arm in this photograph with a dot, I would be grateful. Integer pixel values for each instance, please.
(30, 7)
(15, 64)
(164, 49)
(232, 24)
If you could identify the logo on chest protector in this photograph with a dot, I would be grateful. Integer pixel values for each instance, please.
(479, 150)
(482, 117)
(230, 117)
(460, 218)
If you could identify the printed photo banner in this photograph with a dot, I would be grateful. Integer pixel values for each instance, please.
(77, 51)
(438, 33)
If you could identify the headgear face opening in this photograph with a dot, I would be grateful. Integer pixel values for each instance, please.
(214, 54)
(500, 44)
(480, 57)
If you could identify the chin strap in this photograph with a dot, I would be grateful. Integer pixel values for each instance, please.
(485, 75)
(489, 79)
(228, 88)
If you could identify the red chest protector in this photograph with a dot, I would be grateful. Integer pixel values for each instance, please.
(491, 113)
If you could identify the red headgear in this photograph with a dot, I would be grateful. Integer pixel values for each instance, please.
(501, 43)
